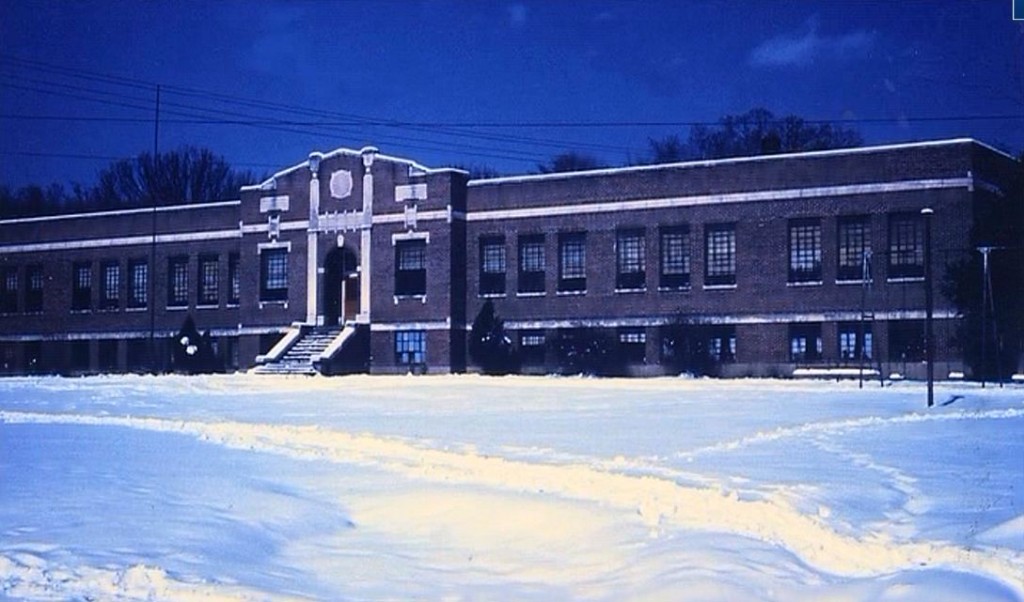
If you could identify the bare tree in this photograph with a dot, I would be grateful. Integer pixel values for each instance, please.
(670, 149)
(760, 132)
(186, 175)
(569, 161)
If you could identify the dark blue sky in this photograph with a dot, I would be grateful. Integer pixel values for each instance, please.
(268, 82)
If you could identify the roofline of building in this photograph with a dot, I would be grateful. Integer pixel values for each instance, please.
(117, 212)
(511, 179)
(732, 160)
(343, 151)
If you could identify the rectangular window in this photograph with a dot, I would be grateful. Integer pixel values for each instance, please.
(107, 355)
(80, 360)
(531, 347)
(854, 241)
(492, 265)
(855, 341)
(410, 347)
(675, 258)
(411, 268)
(34, 288)
(906, 340)
(81, 286)
(633, 345)
(110, 295)
(177, 281)
(572, 261)
(720, 254)
(209, 280)
(274, 274)
(804, 342)
(531, 263)
(137, 355)
(138, 283)
(234, 278)
(721, 344)
(630, 259)
(9, 290)
(906, 245)
(805, 250)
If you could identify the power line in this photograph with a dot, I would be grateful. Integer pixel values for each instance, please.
(248, 120)
(293, 109)
(473, 124)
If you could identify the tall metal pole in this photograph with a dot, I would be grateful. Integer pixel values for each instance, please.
(929, 345)
(865, 275)
(151, 270)
(984, 312)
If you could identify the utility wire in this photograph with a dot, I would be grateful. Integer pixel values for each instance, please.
(279, 107)
(245, 119)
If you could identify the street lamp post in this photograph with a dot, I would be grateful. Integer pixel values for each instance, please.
(929, 303)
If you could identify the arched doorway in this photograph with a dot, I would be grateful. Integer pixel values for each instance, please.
(341, 286)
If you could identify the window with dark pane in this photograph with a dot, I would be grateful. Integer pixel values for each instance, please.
(906, 245)
(410, 268)
(234, 280)
(9, 290)
(855, 341)
(630, 259)
(633, 345)
(804, 342)
(531, 347)
(177, 281)
(531, 263)
(721, 343)
(410, 347)
(274, 274)
(854, 245)
(675, 257)
(720, 254)
(81, 286)
(110, 292)
(906, 340)
(805, 250)
(492, 265)
(138, 283)
(209, 280)
(572, 261)
(34, 288)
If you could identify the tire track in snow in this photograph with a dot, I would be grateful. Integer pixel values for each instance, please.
(658, 501)
(900, 522)
(837, 427)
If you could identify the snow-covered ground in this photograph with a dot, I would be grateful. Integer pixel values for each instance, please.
(469, 488)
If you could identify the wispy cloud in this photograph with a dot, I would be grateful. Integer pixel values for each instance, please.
(797, 50)
(516, 14)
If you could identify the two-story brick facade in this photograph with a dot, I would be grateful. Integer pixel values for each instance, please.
(768, 264)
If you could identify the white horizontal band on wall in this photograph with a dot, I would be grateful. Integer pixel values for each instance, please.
(781, 318)
(424, 236)
(262, 228)
(117, 212)
(140, 334)
(145, 239)
(399, 218)
(123, 241)
(263, 246)
(789, 194)
(396, 326)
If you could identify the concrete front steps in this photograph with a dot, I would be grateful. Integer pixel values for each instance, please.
(304, 350)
